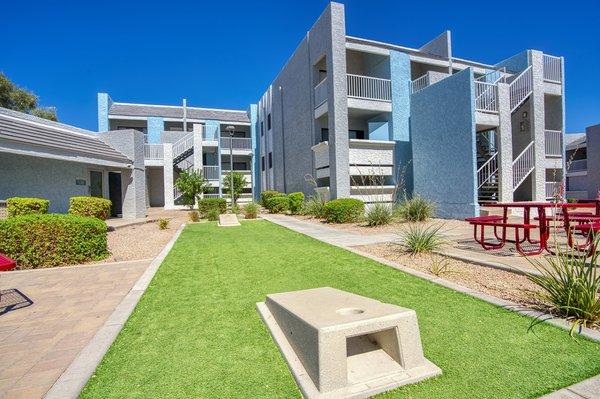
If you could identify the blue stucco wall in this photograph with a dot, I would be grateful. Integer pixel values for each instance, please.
(443, 144)
(516, 63)
(156, 125)
(253, 115)
(104, 103)
(400, 122)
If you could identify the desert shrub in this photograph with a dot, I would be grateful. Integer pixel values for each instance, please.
(439, 265)
(17, 206)
(235, 209)
(265, 195)
(278, 204)
(379, 214)
(417, 239)
(213, 214)
(344, 210)
(163, 224)
(194, 216)
(37, 241)
(296, 201)
(314, 206)
(251, 210)
(416, 209)
(205, 205)
(570, 283)
(94, 207)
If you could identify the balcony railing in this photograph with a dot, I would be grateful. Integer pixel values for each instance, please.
(554, 143)
(552, 69)
(419, 83)
(486, 96)
(552, 189)
(153, 151)
(321, 93)
(211, 172)
(578, 165)
(236, 143)
(369, 88)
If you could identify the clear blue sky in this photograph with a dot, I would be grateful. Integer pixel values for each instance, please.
(223, 54)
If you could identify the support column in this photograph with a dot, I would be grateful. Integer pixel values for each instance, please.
(505, 150)
(198, 130)
(213, 131)
(168, 176)
(538, 126)
(254, 160)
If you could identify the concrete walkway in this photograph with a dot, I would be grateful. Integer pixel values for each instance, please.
(39, 342)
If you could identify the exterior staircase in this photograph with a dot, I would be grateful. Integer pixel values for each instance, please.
(487, 167)
(523, 165)
(183, 149)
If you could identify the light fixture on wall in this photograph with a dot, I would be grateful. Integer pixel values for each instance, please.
(524, 114)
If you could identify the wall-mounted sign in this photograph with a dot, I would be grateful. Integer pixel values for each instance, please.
(80, 182)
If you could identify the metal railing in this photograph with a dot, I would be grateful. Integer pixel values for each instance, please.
(321, 93)
(578, 165)
(520, 88)
(495, 76)
(419, 83)
(486, 96)
(369, 88)
(487, 170)
(183, 144)
(211, 172)
(211, 195)
(523, 165)
(553, 143)
(552, 69)
(552, 189)
(153, 151)
(237, 143)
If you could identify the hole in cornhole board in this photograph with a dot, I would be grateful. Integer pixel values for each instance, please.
(372, 356)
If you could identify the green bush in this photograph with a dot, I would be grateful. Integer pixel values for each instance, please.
(37, 241)
(94, 207)
(17, 206)
(266, 195)
(213, 214)
(344, 210)
(295, 201)
(205, 205)
(194, 216)
(417, 239)
(314, 206)
(416, 209)
(279, 204)
(379, 214)
(251, 210)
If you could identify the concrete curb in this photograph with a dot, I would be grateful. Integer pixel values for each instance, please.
(133, 223)
(74, 378)
(83, 265)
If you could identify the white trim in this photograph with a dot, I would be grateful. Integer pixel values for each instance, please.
(117, 117)
(89, 134)
(179, 106)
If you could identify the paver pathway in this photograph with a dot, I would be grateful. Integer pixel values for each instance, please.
(70, 304)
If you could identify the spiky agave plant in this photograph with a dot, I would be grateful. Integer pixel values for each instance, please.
(570, 283)
(416, 239)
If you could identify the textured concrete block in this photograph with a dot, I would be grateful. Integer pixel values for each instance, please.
(341, 345)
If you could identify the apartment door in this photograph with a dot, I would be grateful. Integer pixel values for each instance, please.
(115, 194)
(96, 183)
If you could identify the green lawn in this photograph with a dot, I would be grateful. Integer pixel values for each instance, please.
(196, 332)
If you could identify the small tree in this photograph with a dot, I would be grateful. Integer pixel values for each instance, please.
(18, 99)
(192, 185)
(239, 182)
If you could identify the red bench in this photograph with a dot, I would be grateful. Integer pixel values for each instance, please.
(499, 222)
(6, 263)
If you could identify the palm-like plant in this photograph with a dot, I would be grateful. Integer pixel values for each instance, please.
(239, 182)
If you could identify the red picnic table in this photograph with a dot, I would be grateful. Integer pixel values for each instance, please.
(587, 223)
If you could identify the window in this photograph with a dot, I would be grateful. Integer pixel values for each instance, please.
(262, 128)
(270, 160)
(324, 134)
(269, 122)
(236, 166)
(356, 134)
(262, 163)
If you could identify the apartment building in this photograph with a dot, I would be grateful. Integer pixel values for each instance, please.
(56, 161)
(363, 117)
(582, 158)
(178, 138)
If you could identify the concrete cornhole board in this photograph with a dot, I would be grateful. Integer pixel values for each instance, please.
(228, 220)
(341, 345)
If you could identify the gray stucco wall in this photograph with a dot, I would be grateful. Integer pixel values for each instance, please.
(54, 180)
(156, 192)
(593, 160)
(443, 143)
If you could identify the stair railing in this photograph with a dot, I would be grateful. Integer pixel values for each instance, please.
(523, 165)
(487, 170)
(183, 144)
(419, 83)
(520, 88)
(486, 96)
